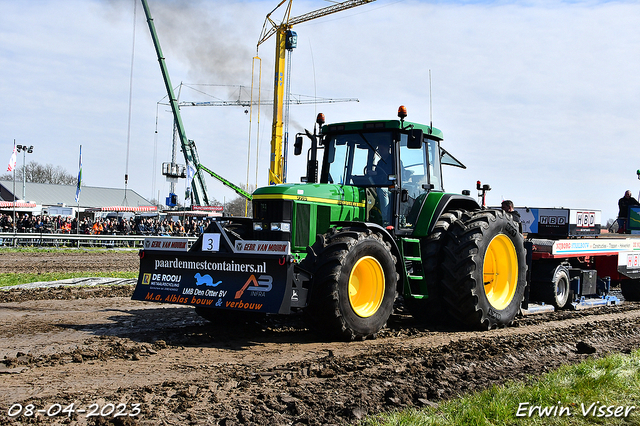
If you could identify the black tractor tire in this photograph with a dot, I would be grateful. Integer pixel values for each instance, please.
(430, 309)
(630, 290)
(484, 270)
(354, 284)
(552, 285)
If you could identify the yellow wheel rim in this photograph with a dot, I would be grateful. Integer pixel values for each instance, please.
(366, 286)
(500, 271)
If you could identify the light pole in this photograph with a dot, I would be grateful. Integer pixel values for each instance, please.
(25, 149)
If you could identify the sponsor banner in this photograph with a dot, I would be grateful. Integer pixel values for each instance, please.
(629, 264)
(208, 208)
(595, 246)
(544, 221)
(157, 243)
(207, 280)
(263, 247)
(560, 222)
(553, 222)
(585, 222)
(633, 260)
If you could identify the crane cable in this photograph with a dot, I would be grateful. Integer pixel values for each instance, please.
(253, 65)
(133, 50)
(287, 105)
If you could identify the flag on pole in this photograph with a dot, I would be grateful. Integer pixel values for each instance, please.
(12, 160)
(79, 177)
(191, 171)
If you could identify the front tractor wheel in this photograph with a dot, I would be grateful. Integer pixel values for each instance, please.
(484, 270)
(354, 284)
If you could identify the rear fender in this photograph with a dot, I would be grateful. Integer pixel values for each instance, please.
(437, 203)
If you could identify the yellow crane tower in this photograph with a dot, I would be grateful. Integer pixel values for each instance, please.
(282, 30)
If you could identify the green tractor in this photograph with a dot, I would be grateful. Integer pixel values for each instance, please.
(369, 227)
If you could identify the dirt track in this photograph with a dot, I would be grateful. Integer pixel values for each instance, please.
(95, 346)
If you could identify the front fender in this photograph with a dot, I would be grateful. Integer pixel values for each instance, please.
(386, 236)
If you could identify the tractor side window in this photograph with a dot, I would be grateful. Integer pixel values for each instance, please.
(338, 164)
(435, 171)
(360, 156)
(413, 173)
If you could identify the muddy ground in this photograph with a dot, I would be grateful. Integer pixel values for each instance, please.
(98, 350)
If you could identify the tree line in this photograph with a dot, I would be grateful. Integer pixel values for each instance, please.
(56, 175)
(42, 173)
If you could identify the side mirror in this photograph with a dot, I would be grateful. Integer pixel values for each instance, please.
(297, 146)
(415, 139)
(427, 186)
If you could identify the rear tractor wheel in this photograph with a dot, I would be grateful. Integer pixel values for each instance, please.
(484, 270)
(354, 284)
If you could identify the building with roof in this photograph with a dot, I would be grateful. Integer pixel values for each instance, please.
(41, 197)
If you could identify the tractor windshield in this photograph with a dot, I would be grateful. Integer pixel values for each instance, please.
(368, 160)
(360, 159)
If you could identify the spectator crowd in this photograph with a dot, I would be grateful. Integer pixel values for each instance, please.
(191, 226)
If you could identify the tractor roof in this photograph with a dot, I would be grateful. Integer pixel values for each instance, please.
(354, 126)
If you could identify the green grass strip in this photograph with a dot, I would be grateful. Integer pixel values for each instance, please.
(595, 392)
(17, 278)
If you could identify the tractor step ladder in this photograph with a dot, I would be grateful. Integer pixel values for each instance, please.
(415, 270)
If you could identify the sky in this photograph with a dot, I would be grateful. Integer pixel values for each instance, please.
(539, 99)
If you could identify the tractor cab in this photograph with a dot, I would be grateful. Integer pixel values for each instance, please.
(395, 162)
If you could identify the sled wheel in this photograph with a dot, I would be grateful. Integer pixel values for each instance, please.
(484, 270)
(551, 284)
(429, 309)
(560, 290)
(354, 284)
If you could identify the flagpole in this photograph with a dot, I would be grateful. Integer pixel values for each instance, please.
(15, 229)
(78, 189)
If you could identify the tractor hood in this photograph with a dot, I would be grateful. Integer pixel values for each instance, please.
(310, 208)
(330, 194)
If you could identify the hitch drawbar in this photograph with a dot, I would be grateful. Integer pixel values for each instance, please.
(243, 282)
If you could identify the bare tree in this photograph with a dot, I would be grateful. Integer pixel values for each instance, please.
(236, 207)
(38, 173)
